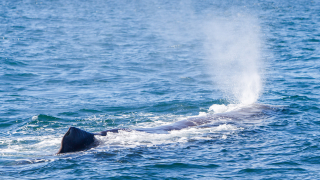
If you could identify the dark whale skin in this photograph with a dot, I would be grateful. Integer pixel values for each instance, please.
(76, 139)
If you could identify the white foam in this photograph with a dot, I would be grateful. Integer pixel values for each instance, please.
(34, 118)
(31, 145)
(136, 138)
(224, 137)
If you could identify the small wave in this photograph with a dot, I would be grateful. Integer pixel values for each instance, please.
(43, 117)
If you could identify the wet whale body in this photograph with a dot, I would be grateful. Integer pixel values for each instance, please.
(76, 139)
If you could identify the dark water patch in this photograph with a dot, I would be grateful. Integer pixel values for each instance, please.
(304, 77)
(300, 108)
(54, 81)
(19, 76)
(27, 172)
(183, 166)
(130, 158)
(159, 91)
(12, 62)
(120, 109)
(310, 147)
(312, 59)
(69, 66)
(313, 159)
(297, 98)
(316, 121)
(83, 82)
(101, 80)
(19, 28)
(301, 18)
(134, 156)
(9, 112)
(93, 111)
(101, 156)
(313, 40)
(279, 125)
(308, 49)
(73, 114)
(266, 171)
(310, 108)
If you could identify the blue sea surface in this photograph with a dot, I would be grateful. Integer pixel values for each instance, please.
(100, 65)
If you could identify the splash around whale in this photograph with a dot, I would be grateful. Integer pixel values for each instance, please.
(76, 139)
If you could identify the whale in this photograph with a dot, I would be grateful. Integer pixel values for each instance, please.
(76, 139)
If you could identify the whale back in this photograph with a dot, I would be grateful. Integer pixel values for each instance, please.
(76, 140)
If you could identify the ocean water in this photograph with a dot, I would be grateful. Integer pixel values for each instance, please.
(99, 65)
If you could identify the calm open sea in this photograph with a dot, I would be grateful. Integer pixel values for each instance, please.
(101, 64)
